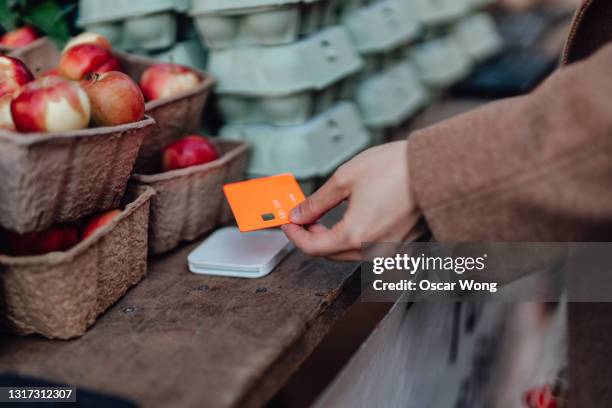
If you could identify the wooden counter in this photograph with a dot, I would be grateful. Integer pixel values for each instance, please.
(179, 339)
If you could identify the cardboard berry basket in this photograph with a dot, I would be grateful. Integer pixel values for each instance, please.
(175, 116)
(190, 202)
(52, 178)
(36, 43)
(60, 294)
(39, 56)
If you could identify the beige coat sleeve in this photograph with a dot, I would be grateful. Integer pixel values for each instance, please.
(532, 168)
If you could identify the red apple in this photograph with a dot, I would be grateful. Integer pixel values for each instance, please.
(165, 80)
(189, 151)
(59, 238)
(6, 119)
(50, 72)
(13, 74)
(19, 37)
(540, 397)
(115, 99)
(50, 104)
(98, 221)
(89, 38)
(81, 60)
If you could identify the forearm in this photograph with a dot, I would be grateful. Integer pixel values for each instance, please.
(538, 167)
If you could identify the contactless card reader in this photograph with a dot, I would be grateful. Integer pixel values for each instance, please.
(229, 252)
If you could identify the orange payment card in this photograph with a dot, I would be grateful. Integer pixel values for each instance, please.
(263, 203)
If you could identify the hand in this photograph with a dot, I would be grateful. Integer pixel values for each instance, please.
(381, 206)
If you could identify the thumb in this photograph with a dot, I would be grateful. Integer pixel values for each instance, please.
(323, 200)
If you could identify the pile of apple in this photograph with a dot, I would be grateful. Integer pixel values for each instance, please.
(57, 238)
(86, 89)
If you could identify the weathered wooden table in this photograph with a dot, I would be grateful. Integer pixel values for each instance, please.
(179, 339)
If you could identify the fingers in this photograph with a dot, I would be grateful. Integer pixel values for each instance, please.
(359, 255)
(317, 240)
(323, 200)
(316, 230)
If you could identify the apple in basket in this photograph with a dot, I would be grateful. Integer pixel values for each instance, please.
(50, 72)
(58, 238)
(81, 60)
(98, 222)
(188, 151)
(19, 37)
(115, 98)
(50, 104)
(13, 74)
(6, 119)
(166, 80)
(89, 38)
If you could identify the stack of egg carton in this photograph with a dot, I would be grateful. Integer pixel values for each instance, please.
(457, 36)
(477, 33)
(388, 90)
(285, 71)
(157, 28)
(309, 83)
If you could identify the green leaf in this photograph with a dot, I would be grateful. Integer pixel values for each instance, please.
(8, 17)
(48, 17)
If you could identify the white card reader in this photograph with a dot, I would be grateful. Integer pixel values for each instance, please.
(229, 252)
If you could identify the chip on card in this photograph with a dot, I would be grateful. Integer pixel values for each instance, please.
(263, 203)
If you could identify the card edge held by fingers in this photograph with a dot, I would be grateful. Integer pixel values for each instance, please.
(263, 203)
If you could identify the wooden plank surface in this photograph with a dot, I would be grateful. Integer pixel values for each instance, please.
(179, 339)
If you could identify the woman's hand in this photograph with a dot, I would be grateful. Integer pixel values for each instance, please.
(381, 207)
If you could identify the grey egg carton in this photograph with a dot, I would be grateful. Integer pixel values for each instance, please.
(132, 25)
(439, 12)
(151, 32)
(346, 6)
(272, 25)
(387, 92)
(225, 24)
(376, 63)
(381, 26)
(314, 149)
(313, 63)
(189, 53)
(232, 7)
(478, 36)
(96, 11)
(441, 62)
(284, 110)
(391, 96)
